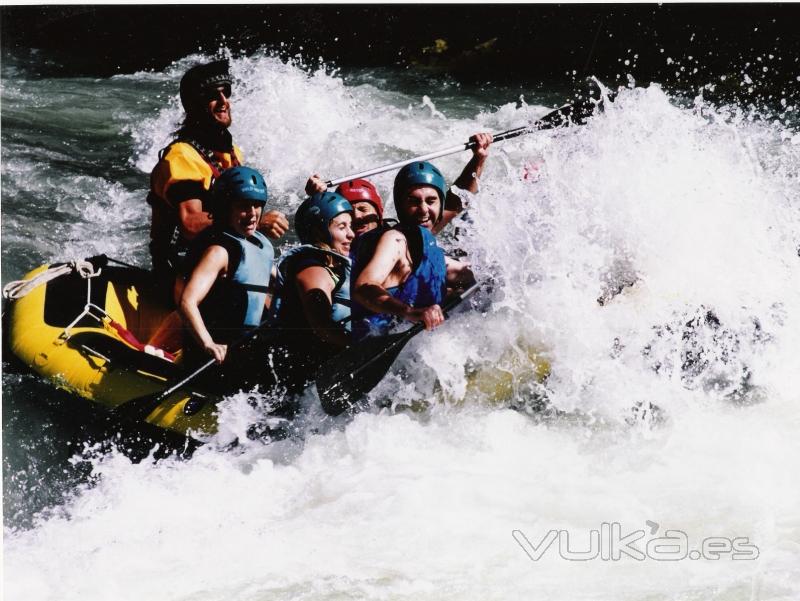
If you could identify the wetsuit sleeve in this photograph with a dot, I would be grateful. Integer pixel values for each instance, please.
(181, 174)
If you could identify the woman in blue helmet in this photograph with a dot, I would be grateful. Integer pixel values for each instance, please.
(229, 265)
(311, 308)
(401, 273)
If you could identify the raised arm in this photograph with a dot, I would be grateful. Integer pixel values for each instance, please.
(468, 180)
(315, 184)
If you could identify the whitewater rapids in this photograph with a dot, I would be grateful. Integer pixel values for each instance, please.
(691, 211)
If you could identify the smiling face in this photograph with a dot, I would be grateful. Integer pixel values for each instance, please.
(217, 105)
(366, 217)
(421, 206)
(341, 233)
(244, 217)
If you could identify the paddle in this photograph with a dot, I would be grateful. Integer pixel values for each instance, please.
(344, 379)
(140, 407)
(576, 112)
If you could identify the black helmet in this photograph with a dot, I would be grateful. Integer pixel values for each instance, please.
(201, 77)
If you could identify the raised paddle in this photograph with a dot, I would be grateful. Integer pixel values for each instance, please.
(140, 407)
(576, 112)
(343, 380)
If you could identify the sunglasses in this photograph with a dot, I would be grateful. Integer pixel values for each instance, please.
(213, 93)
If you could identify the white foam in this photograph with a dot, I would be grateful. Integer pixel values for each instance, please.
(698, 205)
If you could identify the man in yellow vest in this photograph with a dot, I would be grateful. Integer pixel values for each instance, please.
(202, 150)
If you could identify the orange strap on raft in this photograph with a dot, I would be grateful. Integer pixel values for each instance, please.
(129, 338)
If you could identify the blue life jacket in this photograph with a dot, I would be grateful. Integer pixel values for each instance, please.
(287, 308)
(236, 302)
(425, 286)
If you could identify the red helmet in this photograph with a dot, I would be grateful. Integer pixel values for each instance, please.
(361, 190)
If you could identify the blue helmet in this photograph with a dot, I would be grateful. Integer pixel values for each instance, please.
(238, 183)
(316, 212)
(418, 174)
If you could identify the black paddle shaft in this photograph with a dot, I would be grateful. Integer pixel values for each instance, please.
(576, 113)
(345, 379)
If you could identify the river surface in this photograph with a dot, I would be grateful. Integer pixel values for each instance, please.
(677, 400)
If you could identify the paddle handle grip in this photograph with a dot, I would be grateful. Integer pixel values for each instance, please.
(447, 306)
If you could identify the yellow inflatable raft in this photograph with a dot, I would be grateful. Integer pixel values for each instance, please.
(79, 326)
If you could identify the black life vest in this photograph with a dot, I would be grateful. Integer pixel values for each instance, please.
(287, 309)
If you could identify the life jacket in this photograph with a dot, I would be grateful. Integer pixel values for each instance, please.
(236, 302)
(426, 285)
(287, 308)
(168, 247)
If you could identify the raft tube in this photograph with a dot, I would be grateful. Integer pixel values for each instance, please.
(82, 334)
